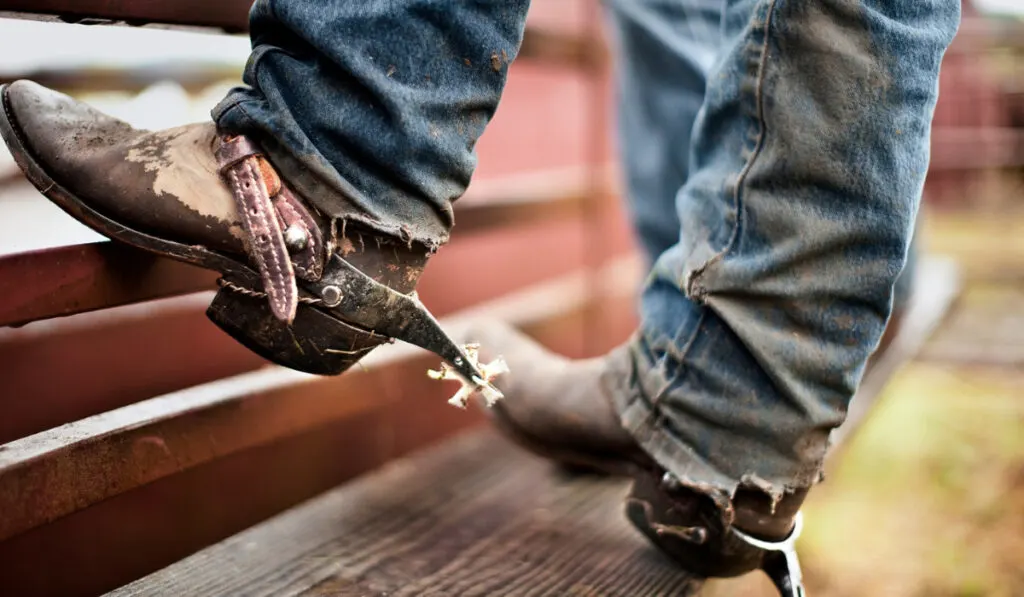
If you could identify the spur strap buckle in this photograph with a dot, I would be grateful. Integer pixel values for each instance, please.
(284, 239)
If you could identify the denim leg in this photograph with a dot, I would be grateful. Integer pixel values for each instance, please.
(807, 165)
(372, 109)
(664, 50)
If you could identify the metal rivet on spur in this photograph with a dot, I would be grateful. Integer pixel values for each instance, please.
(296, 238)
(670, 482)
(331, 296)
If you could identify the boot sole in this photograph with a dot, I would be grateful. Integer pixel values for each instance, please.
(245, 318)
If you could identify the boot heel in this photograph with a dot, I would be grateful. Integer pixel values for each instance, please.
(314, 343)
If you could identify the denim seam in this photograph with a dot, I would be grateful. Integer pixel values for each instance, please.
(692, 279)
(658, 420)
(655, 401)
(658, 429)
(255, 59)
(273, 12)
(241, 108)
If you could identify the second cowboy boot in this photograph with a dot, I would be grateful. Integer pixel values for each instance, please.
(563, 409)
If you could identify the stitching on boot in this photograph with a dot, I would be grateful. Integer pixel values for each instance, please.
(221, 282)
(277, 283)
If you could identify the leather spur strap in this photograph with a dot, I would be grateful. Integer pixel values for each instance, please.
(268, 210)
(308, 260)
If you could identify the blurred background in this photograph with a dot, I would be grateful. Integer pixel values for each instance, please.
(927, 499)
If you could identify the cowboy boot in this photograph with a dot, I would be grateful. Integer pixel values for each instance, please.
(295, 288)
(562, 409)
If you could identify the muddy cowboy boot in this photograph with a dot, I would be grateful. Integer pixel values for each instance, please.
(562, 409)
(297, 288)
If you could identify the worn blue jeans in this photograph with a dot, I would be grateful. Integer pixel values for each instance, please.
(789, 140)
(775, 152)
(371, 108)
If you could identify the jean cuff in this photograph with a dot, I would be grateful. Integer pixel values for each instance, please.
(647, 422)
(319, 183)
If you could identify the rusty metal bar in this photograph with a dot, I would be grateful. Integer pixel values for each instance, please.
(79, 278)
(54, 473)
(115, 357)
(193, 78)
(971, 148)
(557, 48)
(76, 279)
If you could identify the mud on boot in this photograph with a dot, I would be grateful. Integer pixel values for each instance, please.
(299, 288)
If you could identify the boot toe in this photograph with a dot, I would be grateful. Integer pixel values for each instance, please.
(54, 126)
(162, 183)
(554, 406)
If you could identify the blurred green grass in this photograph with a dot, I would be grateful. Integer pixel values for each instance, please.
(928, 500)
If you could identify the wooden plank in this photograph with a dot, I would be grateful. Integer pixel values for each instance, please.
(475, 516)
(583, 51)
(135, 533)
(230, 15)
(56, 472)
(115, 357)
(377, 536)
(539, 196)
(62, 370)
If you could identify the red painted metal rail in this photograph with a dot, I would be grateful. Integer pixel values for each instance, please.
(566, 48)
